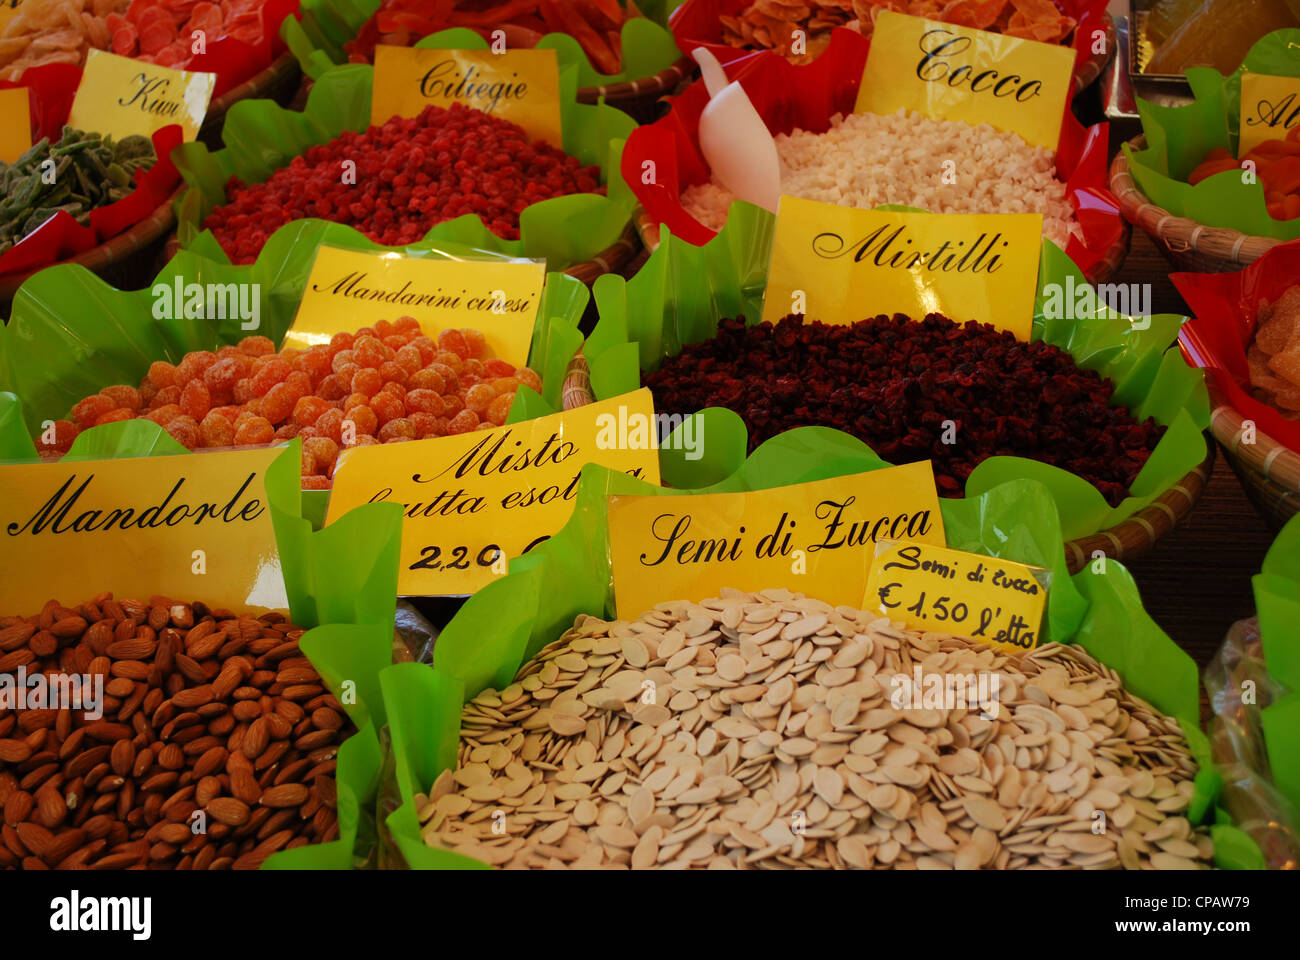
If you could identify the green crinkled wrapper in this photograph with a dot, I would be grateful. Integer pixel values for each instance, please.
(261, 137)
(1178, 138)
(342, 585)
(648, 45)
(510, 620)
(71, 334)
(1277, 604)
(682, 292)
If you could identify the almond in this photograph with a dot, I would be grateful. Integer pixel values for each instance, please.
(285, 795)
(256, 738)
(14, 751)
(211, 761)
(73, 626)
(13, 637)
(228, 810)
(122, 757)
(18, 807)
(244, 785)
(135, 649)
(193, 697)
(34, 837)
(63, 845)
(51, 809)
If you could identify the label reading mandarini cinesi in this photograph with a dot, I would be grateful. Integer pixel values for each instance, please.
(474, 500)
(348, 289)
(692, 546)
(132, 526)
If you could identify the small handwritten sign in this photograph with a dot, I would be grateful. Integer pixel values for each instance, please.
(1270, 109)
(349, 289)
(819, 533)
(190, 526)
(15, 123)
(967, 266)
(956, 73)
(930, 587)
(121, 97)
(522, 86)
(473, 501)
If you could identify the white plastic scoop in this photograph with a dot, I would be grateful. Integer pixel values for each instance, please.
(735, 141)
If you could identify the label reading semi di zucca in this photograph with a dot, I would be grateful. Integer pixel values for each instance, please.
(949, 72)
(15, 123)
(186, 526)
(475, 500)
(121, 97)
(819, 533)
(349, 289)
(1270, 109)
(967, 266)
(522, 86)
(930, 587)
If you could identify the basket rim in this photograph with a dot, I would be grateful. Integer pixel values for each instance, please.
(279, 68)
(1272, 460)
(1148, 525)
(1178, 234)
(661, 82)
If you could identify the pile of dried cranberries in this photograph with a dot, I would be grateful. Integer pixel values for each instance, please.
(893, 383)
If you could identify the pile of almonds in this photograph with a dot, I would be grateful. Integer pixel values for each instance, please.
(203, 711)
(758, 731)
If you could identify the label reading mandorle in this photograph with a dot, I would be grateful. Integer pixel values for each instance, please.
(930, 587)
(818, 533)
(120, 96)
(183, 525)
(949, 72)
(1270, 109)
(475, 500)
(349, 289)
(15, 123)
(967, 266)
(522, 86)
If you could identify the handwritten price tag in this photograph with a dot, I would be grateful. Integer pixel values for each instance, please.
(956, 73)
(933, 588)
(187, 526)
(474, 500)
(121, 97)
(1270, 109)
(15, 123)
(348, 289)
(819, 533)
(967, 266)
(522, 86)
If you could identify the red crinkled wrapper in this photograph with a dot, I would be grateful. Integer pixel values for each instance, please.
(696, 24)
(788, 96)
(51, 88)
(234, 61)
(1222, 325)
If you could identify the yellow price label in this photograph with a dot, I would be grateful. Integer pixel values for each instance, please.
(350, 289)
(949, 72)
(1270, 109)
(473, 501)
(15, 123)
(820, 534)
(967, 266)
(121, 97)
(931, 587)
(522, 86)
(189, 526)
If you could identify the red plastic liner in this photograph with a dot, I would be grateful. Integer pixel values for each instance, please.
(51, 88)
(788, 96)
(1224, 307)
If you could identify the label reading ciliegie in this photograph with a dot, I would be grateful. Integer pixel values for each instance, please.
(349, 289)
(522, 86)
(1270, 109)
(477, 499)
(819, 533)
(930, 587)
(121, 97)
(967, 266)
(15, 123)
(957, 73)
(186, 526)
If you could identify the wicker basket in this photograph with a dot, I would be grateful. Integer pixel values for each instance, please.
(126, 261)
(1125, 541)
(639, 99)
(278, 82)
(1268, 471)
(1188, 245)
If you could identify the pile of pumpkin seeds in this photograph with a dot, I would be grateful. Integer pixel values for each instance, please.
(760, 731)
(89, 170)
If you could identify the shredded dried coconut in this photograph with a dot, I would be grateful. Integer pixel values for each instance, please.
(866, 159)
